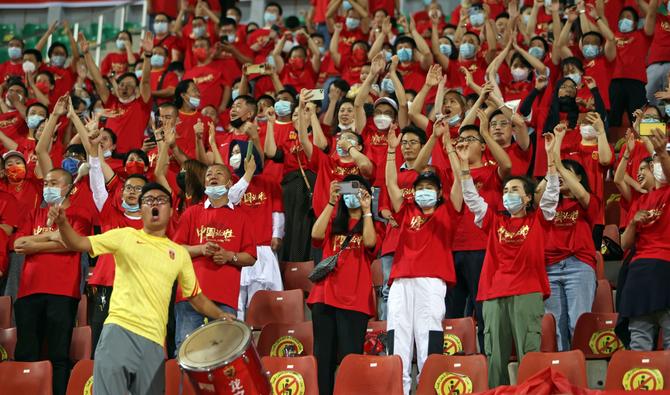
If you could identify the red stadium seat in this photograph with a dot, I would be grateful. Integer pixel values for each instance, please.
(81, 344)
(172, 373)
(377, 275)
(5, 312)
(285, 307)
(304, 366)
(294, 275)
(374, 343)
(460, 336)
(376, 326)
(272, 334)
(452, 371)
(81, 378)
(600, 266)
(604, 301)
(638, 370)
(370, 375)
(612, 231)
(572, 364)
(26, 377)
(7, 343)
(594, 335)
(82, 312)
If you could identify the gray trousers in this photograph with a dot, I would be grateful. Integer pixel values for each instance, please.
(643, 330)
(656, 78)
(125, 362)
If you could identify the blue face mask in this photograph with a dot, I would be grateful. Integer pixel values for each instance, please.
(14, 53)
(453, 121)
(120, 44)
(525, 18)
(427, 2)
(33, 121)
(130, 208)
(87, 101)
(70, 165)
(322, 50)
(626, 25)
(234, 94)
(512, 202)
(388, 56)
(194, 101)
(590, 51)
(467, 50)
(667, 110)
(216, 191)
(346, 5)
(157, 60)
(351, 200)
(269, 17)
(352, 23)
(536, 52)
(477, 19)
(577, 78)
(58, 60)
(270, 60)
(405, 54)
(51, 195)
(445, 49)
(283, 108)
(198, 31)
(425, 198)
(341, 152)
(387, 85)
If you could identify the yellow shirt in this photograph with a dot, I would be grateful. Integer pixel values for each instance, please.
(146, 268)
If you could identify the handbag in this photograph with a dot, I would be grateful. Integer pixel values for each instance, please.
(327, 265)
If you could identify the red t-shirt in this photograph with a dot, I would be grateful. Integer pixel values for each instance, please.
(28, 193)
(376, 147)
(187, 41)
(262, 198)
(53, 273)
(185, 133)
(349, 285)
(630, 48)
(128, 122)
(210, 81)
(425, 243)
(226, 227)
(116, 62)
(639, 153)
(405, 181)
(320, 8)
(287, 141)
(9, 215)
(651, 239)
(456, 79)
(514, 263)
(111, 217)
(171, 80)
(303, 79)
(167, 7)
(570, 232)
(231, 68)
(12, 69)
(413, 76)
(169, 42)
(470, 237)
(660, 45)
(386, 5)
(260, 56)
(329, 168)
(14, 127)
(601, 71)
(65, 78)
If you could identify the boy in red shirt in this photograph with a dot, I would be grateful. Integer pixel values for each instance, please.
(658, 61)
(208, 76)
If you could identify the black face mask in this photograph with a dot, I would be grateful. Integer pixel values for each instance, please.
(566, 103)
(181, 180)
(236, 123)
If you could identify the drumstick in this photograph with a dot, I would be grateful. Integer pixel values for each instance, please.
(81, 173)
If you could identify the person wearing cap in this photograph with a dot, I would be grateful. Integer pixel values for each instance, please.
(130, 354)
(423, 266)
(513, 281)
(21, 183)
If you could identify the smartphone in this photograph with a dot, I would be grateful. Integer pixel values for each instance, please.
(250, 150)
(256, 69)
(317, 94)
(224, 39)
(352, 187)
(646, 128)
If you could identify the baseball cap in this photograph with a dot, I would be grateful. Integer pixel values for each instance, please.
(11, 153)
(388, 101)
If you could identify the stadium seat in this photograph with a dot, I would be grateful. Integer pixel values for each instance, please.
(572, 364)
(82, 312)
(372, 345)
(7, 343)
(294, 275)
(305, 366)
(460, 336)
(172, 372)
(594, 335)
(377, 274)
(600, 266)
(82, 344)
(612, 231)
(604, 301)
(456, 374)
(638, 370)
(285, 307)
(370, 375)
(5, 312)
(273, 332)
(376, 326)
(26, 377)
(81, 378)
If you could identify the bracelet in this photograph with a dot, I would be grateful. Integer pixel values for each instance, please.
(451, 151)
(390, 152)
(367, 215)
(465, 172)
(349, 149)
(626, 157)
(147, 55)
(332, 204)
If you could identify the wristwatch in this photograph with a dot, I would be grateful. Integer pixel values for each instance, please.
(235, 259)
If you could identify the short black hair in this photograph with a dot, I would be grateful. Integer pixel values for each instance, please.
(130, 36)
(34, 52)
(225, 21)
(64, 172)
(469, 33)
(50, 76)
(272, 3)
(467, 128)
(143, 155)
(111, 134)
(543, 40)
(594, 33)
(76, 149)
(341, 85)
(181, 88)
(502, 15)
(416, 131)
(152, 186)
(579, 170)
(404, 39)
(126, 75)
(636, 16)
(292, 22)
(57, 44)
(16, 81)
(139, 177)
(37, 104)
(249, 101)
(573, 61)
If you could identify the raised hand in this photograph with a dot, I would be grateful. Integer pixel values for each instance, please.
(366, 200)
(148, 42)
(334, 192)
(590, 82)
(392, 139)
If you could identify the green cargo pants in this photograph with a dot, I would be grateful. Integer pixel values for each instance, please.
(513, 317)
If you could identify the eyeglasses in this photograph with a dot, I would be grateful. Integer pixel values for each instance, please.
(133, 188)
(406, 143)
(469, 139)
(502, 124)
(155, 201)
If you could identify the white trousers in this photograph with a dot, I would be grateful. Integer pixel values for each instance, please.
(262, 275)
(415, 313)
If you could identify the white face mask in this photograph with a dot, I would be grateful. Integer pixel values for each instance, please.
(659, 174)
(382, 121)
(235, 161)
(520, 74)
(588, 131)
(346, 127)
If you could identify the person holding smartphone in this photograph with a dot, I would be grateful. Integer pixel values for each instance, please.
(343, 302)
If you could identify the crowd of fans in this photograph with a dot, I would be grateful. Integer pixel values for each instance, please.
(478, 140)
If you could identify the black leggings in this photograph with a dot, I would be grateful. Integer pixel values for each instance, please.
(337, 333)
(626, 96)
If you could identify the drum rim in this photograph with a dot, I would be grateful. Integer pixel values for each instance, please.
(225, 362)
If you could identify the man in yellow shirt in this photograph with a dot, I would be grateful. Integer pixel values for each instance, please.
(129, 355)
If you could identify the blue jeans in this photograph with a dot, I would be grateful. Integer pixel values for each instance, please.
(656, 77)
(573, 288)
(188, 320)
(387, 263)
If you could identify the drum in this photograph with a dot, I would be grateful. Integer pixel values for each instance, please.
(220, 359)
